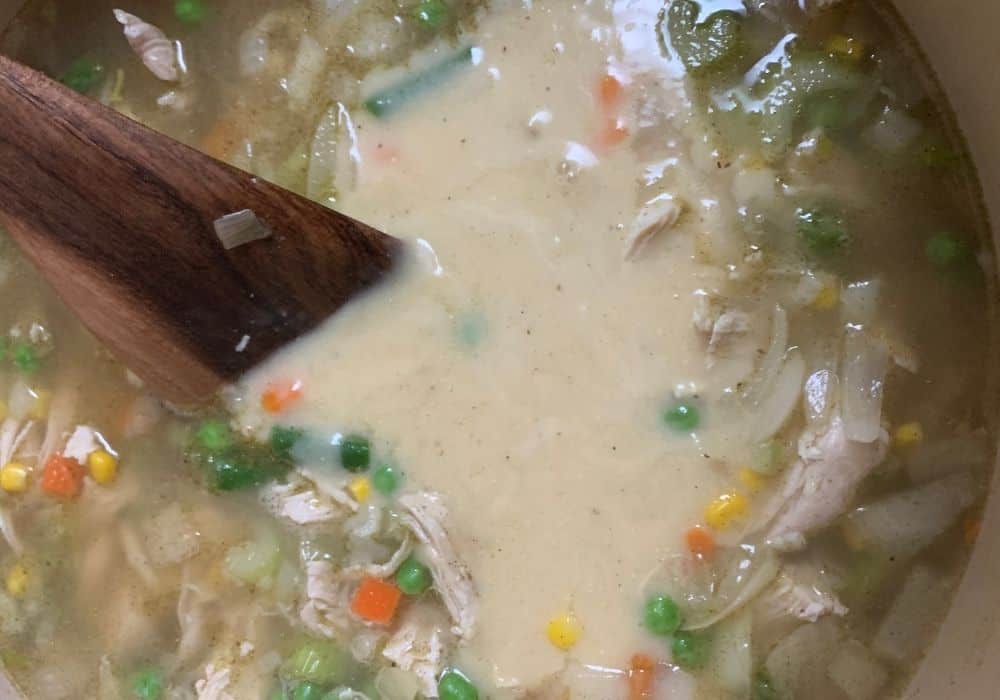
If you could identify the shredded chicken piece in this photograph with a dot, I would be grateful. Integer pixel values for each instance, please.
(306, 507)
(157, 52)
(656, 216)
(135, 555)
(170, 536)
(801, 592)
(196, 615)
(365, 644)
(304, 501)
(213, 685)
(328, 600)
(424, 514)
(711, 318)
(107, 684)
(418, 648)
(820, 485)
(81, 443)
(13, 433)
(60, 419)
(382, 570)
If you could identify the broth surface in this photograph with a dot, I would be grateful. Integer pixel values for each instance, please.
(679, 393)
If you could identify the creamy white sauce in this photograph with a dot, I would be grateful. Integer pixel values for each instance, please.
(564, 486)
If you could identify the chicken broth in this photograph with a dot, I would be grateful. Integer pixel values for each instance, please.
(679, 392)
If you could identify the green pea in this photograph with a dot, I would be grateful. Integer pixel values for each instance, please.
(413, 578)
(690, 649)
(355, 453)
(308, 691)
(822, 232)
(682, 417)
(662, 616)
(214, 435)
(83, 75)
(828, 112)
(946, 252)
(453, 685)
(283, 439)
(190, 11)
(386, 479)
(147, 684)
(25, 358)
(431, 14)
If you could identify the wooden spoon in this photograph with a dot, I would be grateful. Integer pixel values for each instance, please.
(119, 218)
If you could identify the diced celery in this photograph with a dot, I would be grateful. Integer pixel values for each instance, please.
(803, 91)
(317, 661)
(255, 560)
(708, 46)
(385, 102)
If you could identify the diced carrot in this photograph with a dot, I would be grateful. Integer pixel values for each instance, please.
(609, 93)
(279, 396)
(612, 134)
(700, 543)
(226, 133)
(641, 674)
(62, 477)
(376, 600)
(386, 153)
(970, 529)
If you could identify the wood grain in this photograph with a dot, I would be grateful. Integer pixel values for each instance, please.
(119, 219)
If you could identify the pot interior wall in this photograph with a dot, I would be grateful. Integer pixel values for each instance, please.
(959, 39)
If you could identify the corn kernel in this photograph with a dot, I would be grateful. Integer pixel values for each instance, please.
(14, 477)
(725, 510)
(845, 46)
(828, 297)
(17, 580)
(908, 434)
(103, 466)
(751, 479)
(564, 631)
(39, 409)
(360, 488)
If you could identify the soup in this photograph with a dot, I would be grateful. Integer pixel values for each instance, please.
(678, 394)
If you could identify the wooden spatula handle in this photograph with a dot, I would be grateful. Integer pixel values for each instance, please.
(120, 219)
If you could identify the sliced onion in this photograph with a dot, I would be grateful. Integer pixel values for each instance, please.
(903, 524)
(798, 663)
(859, 301)
(771, 363)
(334, 157)
(818, 394)
(306, 71)
(913, 617)
(394, 683)
(779, 400)
(857, 672)
(731, 663)
(749, 572)
(893, 131)
(865, 366)
(240, 228)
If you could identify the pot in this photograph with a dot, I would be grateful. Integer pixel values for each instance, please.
(958, 39)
